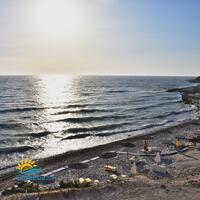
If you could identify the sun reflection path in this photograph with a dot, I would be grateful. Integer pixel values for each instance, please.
(55, 91)
(54, 94)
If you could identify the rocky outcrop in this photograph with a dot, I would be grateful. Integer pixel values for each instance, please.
(193, 99)
(188, 89)
(193, 89)
(196, 80)
(190, 95)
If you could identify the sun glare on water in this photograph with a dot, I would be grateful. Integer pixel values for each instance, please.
(59, 18)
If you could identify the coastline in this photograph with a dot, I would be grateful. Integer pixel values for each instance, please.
(54, 162)
(187, 169)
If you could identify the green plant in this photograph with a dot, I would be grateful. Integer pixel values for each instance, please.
(22, 187)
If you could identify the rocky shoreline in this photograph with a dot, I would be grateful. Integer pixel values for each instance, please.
(190, 95)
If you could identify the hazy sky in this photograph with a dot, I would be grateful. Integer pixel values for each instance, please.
(129, 37)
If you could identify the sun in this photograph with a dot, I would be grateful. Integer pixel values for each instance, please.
(25, 165)
(59, 18)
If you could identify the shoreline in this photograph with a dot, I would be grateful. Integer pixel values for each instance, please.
(186, 93)
(54, 162)
(186, 165)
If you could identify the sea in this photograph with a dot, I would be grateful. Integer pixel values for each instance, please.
(42, 116)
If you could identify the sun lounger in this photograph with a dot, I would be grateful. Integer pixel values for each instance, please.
(111, 169)
(85, 180)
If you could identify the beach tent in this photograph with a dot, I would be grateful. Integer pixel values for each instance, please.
(157, 158)
(133, 169)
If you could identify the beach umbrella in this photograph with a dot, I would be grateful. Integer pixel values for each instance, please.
(78, 166)
(157, 158)
(127, 145)
(133, 169)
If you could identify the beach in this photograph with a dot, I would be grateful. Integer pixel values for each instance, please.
(179, 176)
(184, 171)
(41, 117)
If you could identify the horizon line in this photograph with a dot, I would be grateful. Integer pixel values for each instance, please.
(68, 74)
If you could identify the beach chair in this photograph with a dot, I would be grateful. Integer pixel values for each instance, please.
(111, 169)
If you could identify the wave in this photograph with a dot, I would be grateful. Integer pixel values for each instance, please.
(83, 111)
(5, 141)
(35, 135)
(182, 111)
(12, 126)
(96, 128)
(44, 108)
(89, 119)
(146, 126)
(163, 103)
(150, 94)
(6, 96)
(21, 109)
(19, 149)
(117, 91)
(154, 105)
(78, 136)
(77, 105)
(86, 93)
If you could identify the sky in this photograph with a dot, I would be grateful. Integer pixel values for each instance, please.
(105, 37)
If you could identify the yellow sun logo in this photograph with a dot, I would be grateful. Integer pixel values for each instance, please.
(25, 165)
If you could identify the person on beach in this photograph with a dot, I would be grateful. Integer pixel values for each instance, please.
(146, 146)
(179, 145)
